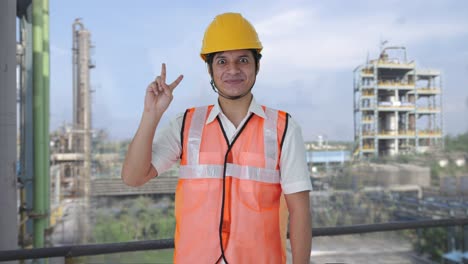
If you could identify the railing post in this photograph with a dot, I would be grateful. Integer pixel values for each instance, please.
(451, 241)
(418, 242)
(465, 243)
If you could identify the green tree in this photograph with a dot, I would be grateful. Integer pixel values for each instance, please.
(137, 219)
(457, 143)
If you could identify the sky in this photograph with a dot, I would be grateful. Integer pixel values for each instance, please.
(310, 51)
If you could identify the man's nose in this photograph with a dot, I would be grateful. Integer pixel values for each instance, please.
(233, 68)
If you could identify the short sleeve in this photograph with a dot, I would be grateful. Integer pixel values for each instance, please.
(293, 166)
(167, 145)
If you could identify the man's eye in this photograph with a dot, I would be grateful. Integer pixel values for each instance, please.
(244, 60)
(221, 61)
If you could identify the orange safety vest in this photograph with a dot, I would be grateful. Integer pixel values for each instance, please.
(248, 225)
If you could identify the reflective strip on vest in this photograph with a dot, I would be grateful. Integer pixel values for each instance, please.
(195, 135)
(234, 170)
(270, 137)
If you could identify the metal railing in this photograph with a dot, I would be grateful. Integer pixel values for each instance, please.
(109, 248)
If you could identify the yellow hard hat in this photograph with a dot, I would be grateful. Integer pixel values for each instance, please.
(229, 31)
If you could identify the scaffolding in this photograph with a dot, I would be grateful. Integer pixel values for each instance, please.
(397, 106)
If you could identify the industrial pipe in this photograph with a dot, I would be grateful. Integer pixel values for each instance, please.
(39, 211)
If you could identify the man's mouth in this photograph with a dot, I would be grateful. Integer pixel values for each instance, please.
(233, 81)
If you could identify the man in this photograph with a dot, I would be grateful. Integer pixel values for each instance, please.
(237, 158)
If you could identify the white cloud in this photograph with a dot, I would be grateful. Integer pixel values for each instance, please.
(300, 39)
(308, 59)
(283, 23)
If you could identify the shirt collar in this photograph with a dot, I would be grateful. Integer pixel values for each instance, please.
(253, 108)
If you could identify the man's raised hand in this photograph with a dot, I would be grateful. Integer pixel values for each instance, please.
(159, 94)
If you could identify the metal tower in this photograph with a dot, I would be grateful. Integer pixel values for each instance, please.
(397, 107)
(82, 101)
(82, 110)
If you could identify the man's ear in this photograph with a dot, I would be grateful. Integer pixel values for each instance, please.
(258, 67)
(208, 69)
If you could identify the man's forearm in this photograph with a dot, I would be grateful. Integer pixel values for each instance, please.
(300, 235)
(138, 159)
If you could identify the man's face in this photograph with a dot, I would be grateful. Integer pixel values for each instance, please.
(234, 71)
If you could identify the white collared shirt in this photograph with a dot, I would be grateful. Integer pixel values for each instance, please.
(293, 167)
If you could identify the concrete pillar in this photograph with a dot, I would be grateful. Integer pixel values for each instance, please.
(8, 197)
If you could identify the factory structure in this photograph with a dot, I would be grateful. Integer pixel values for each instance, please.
(71, 147)
(397, 106)
(46, 167)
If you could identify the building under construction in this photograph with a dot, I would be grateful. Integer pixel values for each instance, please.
(397, 106)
